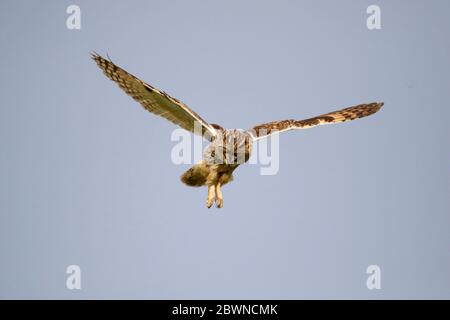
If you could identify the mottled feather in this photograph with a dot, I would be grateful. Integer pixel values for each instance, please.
(347, 114)
(155, 100)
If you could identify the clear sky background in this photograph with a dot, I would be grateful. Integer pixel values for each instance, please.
(86, 176)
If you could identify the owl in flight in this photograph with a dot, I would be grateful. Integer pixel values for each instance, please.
(228, 148)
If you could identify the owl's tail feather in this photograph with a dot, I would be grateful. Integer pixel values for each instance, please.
(197, 175)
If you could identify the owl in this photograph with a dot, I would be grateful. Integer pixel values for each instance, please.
(228, 148)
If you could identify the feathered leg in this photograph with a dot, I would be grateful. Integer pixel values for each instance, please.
(211, 196)
(219, 197)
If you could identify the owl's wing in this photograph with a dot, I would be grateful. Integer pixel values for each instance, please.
(155, 100)
(347, 114)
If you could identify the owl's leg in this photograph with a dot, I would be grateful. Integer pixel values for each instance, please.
(219, 197)
(211, 196)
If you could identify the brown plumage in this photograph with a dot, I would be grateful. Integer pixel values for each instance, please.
(154, 100)
(229, 148)
(347, 114)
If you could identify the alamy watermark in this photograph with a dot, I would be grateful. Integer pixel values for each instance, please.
(73, 21)
(373, 21)
(73, 281)
(374, 279)
(232, 147)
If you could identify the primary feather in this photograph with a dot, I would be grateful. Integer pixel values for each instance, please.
(155, 100)
(347, 114)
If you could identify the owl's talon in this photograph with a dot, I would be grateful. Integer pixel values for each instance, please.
(211, 196)
(219, 198)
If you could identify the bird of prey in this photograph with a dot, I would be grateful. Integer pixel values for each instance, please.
(228, 148)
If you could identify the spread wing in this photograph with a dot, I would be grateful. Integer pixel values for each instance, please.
(347, 114)
(155, 100)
